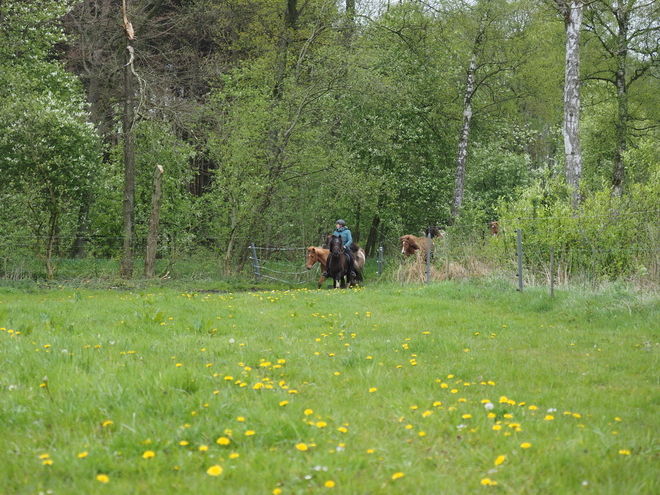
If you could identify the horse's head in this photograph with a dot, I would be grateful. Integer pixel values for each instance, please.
(311, 257)
(409, 244)
(336, 246)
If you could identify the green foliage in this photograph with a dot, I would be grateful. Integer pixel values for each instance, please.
(607, 238)
(48, 150)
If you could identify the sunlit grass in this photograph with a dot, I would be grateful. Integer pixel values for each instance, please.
(452, 388)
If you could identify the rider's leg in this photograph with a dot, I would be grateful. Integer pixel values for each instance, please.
(351, 268)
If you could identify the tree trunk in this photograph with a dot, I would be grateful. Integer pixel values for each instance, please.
(572, 11)
(459, 184)
(152, 240)
(232, 240)
(126, 270)
(372, 239)
(622, 100)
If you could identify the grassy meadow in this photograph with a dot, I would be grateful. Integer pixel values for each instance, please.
(453, 388)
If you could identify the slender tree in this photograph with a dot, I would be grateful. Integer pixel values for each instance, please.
(128, 122)
(572, 12)
(627, 32)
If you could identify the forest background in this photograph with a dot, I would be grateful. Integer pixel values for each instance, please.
(270, 120)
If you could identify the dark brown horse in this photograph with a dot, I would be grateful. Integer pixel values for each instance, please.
(359, 257)
(337, 264)
(317, 255)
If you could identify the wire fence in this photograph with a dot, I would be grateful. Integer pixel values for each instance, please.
(550, 250)
(281, 264)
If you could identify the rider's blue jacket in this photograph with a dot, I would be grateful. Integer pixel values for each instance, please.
(345, 235)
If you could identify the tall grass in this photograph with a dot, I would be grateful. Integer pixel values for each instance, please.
(452, 388)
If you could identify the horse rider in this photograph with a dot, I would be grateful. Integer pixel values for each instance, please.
(342, 231)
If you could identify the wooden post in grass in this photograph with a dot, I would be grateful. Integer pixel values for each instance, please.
(552, 271)
(520, 270)
(152, 239)
(428, 257)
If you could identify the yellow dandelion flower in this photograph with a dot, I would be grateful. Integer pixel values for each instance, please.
(370, 451)
(277, 491)
(398, 475)
(525, 445)
(426, 414)
(203, 448)
(549, 417)
(107, 422)
(624, 452)
(44, 456)
(249, 433)
(302, 447)
(533, 408)
(284, 403)
(240, 418)
(503, 400)
(497, 427)
(500, 459)
(148, 454)
(466, 416)
(214, 470)
(234, 455)
(372, 390)
(183, 443)
(308, 412)
(329, 484)
(47, 462)
(342, 429)
(223, 441)
(103, 478)
(82, 455)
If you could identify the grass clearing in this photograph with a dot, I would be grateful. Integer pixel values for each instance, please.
(451, 388)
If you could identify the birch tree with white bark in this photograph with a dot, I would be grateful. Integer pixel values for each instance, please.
(572, 11)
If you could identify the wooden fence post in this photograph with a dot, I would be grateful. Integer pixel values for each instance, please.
(152, 239)
(428, 257)
(552, 271)
(520, 254)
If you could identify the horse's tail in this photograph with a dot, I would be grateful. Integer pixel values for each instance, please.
(360, 258)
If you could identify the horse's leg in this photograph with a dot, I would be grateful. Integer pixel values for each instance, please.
(322, 279)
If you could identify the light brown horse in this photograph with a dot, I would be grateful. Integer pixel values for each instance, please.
(411, 244)
(317, 255)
